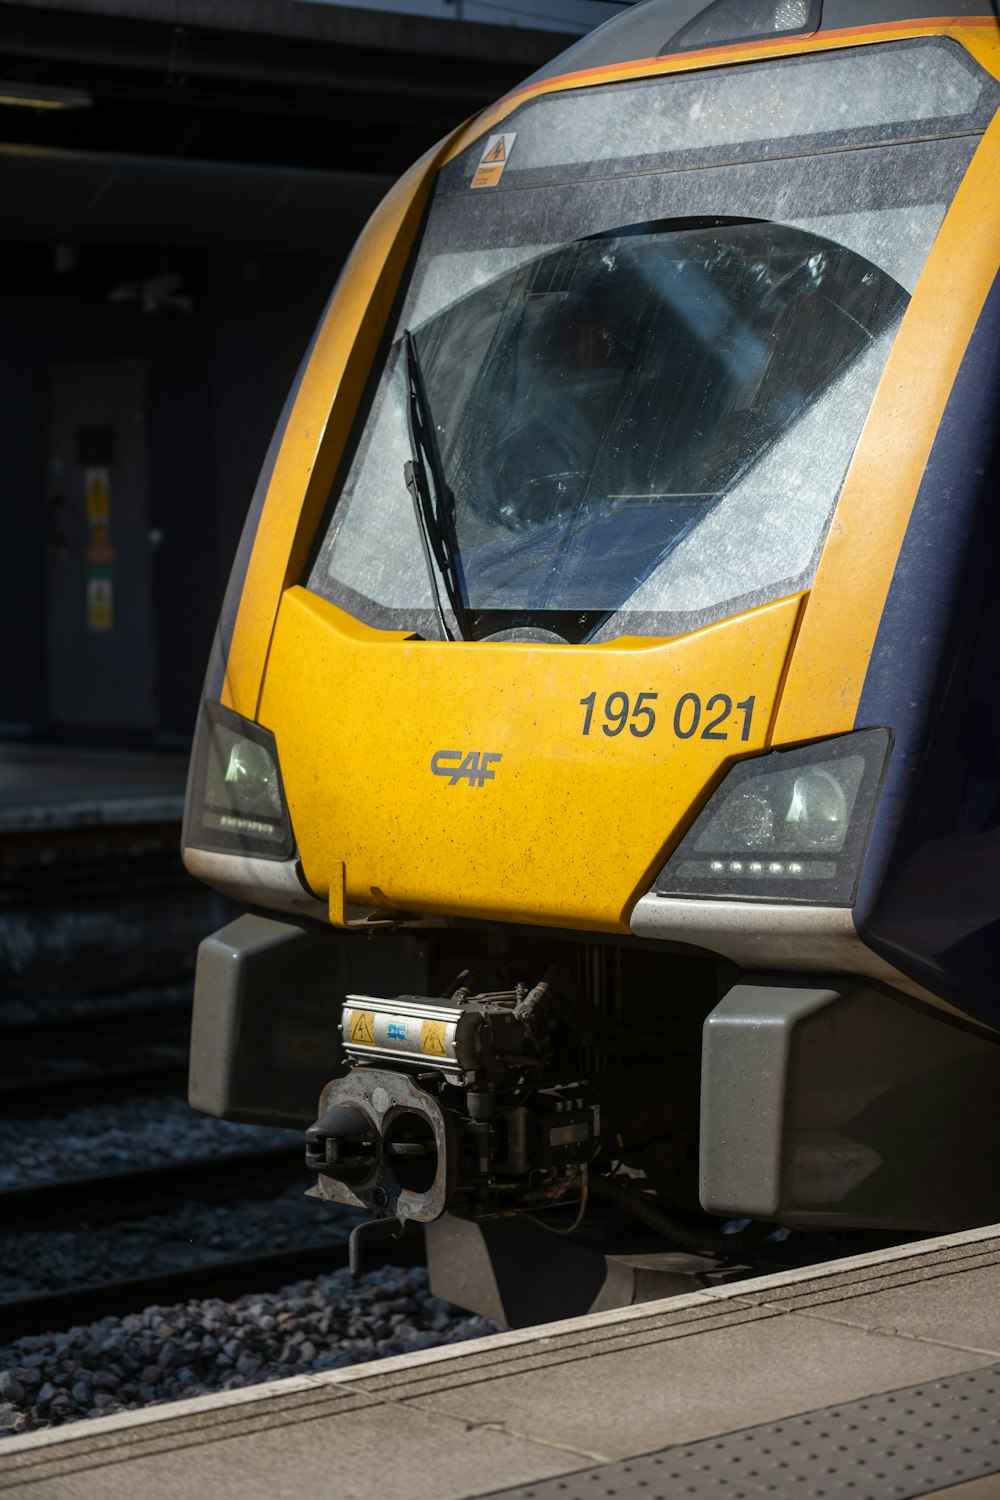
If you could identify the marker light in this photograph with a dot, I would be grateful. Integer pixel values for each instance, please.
(729, 21)
(792, 825)
(236, 803)
(790, 15)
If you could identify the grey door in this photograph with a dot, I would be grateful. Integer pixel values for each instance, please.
(100, 649)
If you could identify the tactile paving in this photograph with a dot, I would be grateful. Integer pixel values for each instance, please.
(904, 1443)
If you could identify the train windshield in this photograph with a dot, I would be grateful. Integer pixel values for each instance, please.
(600, 408)
(624, 393)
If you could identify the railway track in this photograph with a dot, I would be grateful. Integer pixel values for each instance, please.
(153, 1199)
(227, 1277)
(156, 1208)
(107, 1196)
(58, 1063)
(92, 1238)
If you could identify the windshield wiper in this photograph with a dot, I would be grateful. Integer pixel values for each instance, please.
(432, 499)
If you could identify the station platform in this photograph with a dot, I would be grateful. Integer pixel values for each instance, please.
(44, 787)
(871, 1377)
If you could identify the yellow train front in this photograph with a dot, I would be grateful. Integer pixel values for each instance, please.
(604, 723)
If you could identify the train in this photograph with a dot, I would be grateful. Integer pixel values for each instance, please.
(602, 732)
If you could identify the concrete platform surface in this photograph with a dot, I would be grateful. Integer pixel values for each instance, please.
(48, 787)
(871, 1377)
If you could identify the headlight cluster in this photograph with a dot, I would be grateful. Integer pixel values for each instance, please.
(236, 803)
(788, 826)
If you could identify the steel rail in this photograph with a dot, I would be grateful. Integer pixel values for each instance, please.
(137, 1192)
(107, 1196)
(55, 1064)
(226, 1277)
(33, 1095)
(110, 1016)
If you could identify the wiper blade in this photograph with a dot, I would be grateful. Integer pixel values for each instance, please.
(432, 499)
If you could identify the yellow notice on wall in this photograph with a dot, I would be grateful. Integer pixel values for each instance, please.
(494, 159)
(97, 493)
(100, 604)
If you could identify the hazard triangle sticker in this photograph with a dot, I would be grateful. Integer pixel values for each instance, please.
(494, 159)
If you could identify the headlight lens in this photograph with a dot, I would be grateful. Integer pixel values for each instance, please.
(250, 777)
(236, 802)
(790, 826)
(819, 806)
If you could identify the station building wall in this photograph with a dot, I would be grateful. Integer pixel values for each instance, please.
(196, 349)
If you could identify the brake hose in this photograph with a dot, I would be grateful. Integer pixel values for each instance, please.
(685, 1236)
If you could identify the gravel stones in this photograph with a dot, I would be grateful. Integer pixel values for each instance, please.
(165, 1353)
(134, 1133)
(52, 1259)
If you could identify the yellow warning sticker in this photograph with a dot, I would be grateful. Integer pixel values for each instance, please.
(100, 604)
(97, 489)
(362, 1028)
(495, 153)
(494, 159)
(432, 1038)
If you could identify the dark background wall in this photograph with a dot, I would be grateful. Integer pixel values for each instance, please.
(216, 379)
(191, 215)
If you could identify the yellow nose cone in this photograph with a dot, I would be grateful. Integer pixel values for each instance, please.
(516, 782)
